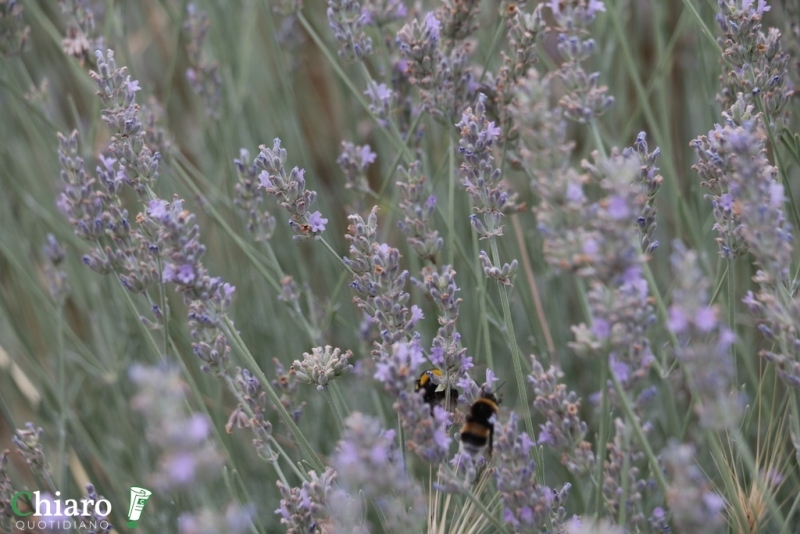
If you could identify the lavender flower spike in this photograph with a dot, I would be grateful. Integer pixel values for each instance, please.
(527, 504)
(367, 450)
(322, 365)
(290, 190)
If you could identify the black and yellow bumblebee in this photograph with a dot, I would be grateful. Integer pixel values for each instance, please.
(435, 394)
(478, 430)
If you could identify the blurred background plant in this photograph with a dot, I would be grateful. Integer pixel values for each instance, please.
(181, 251)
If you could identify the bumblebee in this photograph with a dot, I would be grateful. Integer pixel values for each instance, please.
(478, 430)
(435, 394)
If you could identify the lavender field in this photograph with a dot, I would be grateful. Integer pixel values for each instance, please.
(457, 266)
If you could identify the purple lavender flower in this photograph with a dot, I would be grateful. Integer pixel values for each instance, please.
(383, 12)
(380, 97)
(186, 454)
(625, 459)
(694, 506)
(490, 197)
(528, 505)
(347, 20)
(584, 100)
(563, 430)
(250, 197)
(306, 508)
(203, 74)
(367, 450)
(121, 114)
(441, 70)
(82, 38)
(755, 66)
(426, 435)
(354, 161)
(378, 280)
(290, 190)
(418, 207)
(317, 222)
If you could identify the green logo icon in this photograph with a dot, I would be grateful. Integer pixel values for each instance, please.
(139, 497)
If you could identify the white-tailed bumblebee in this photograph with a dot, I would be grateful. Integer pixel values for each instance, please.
(435, 394)
(478, 430)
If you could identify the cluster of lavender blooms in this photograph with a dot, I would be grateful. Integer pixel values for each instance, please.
(354, 161)
(618, 297)
(437, 52)
(203, 73)
(290, 191)
(98, 215)
(704, 342)
(322, 365)
(584, 100)
(446, 351)
(418, 209)
(208, 298)
(755, 76)
(624, 460)
(252, 412)
(379, 285)
(491, 199)
(768, 236)
(305, 508)
(104, 527)
(28, 441)
(714, 166)
(367, 449)
(563, 430)
(56, 278)
(138, 164)
(755, 65)
(347, 19)
(528, 506)
(165, 245)
(524, 30)
(82, 39)
(250, 197)
(13, 31)
(425, 428)
(383, 12)
(379, 282)
(650, 182)
(187, 454)
(694, 505)
(603, 241)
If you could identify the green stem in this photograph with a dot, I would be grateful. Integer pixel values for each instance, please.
(516, 357)
(250, 361)
(62, 399)
(484, 317)
(336, 415)
(626, 483)
(451, 210)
